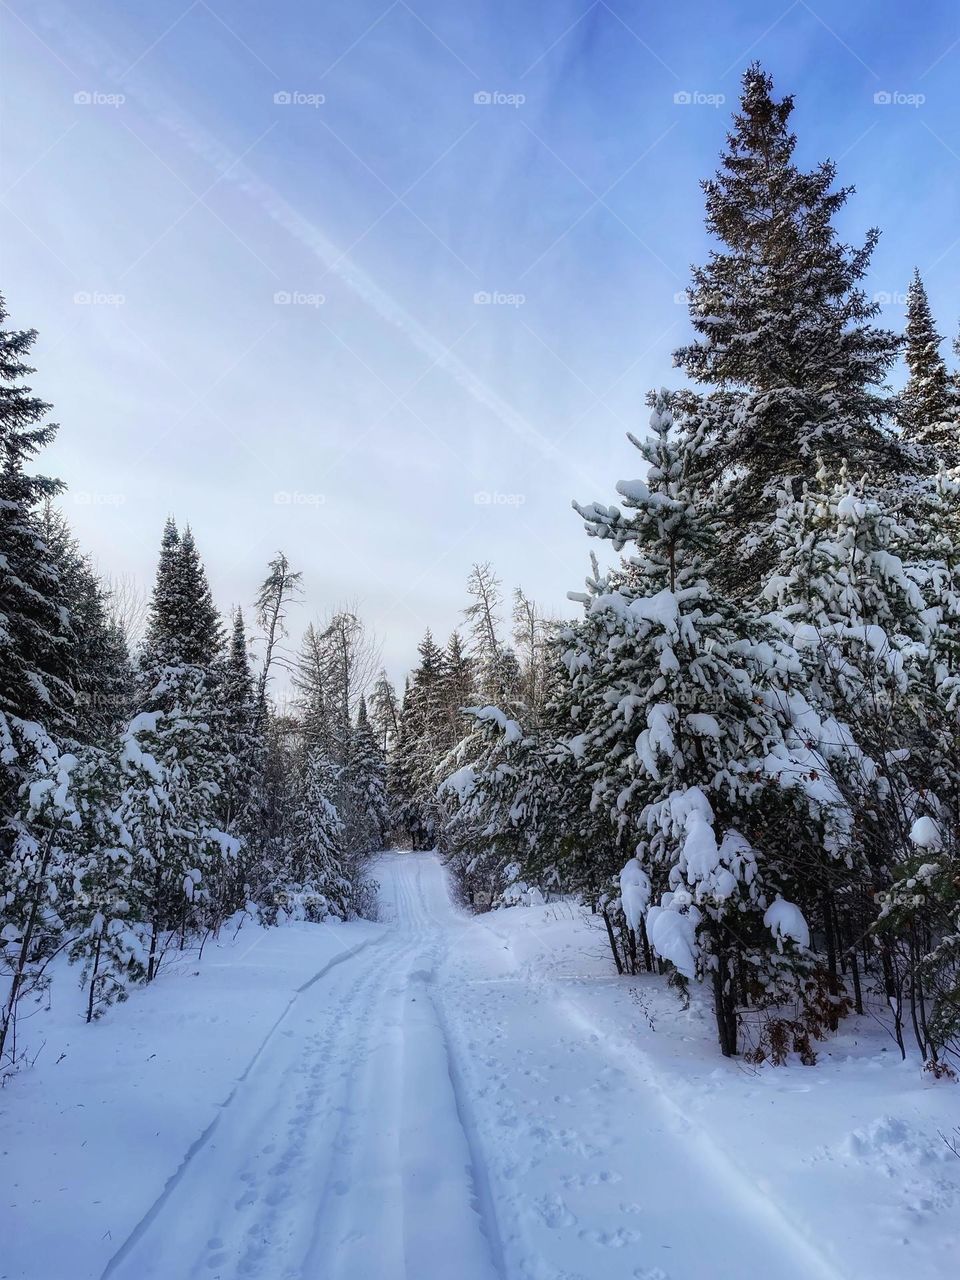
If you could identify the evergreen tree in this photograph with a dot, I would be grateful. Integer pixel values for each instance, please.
(39, 818)
(367, 816)
(183, 628)
(108, 938)
(693, 679)
(929, 408)
(420, 748)
(169, 807)
(201, 634)
(316, 886)
(100, 670)
(786, 335)
(164, 624)
(458, 686)
(36, 640)
(240, 726)
(385, 712)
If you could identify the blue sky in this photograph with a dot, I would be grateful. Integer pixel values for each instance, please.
(150, 224)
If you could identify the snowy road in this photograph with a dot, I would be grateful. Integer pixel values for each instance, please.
(427, 1109)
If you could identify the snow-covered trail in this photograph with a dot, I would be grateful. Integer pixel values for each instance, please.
(425, 1108)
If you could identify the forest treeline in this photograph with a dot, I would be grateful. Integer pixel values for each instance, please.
(742, 753)
(745, 750)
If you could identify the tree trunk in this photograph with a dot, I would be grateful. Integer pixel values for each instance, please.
(93, 977)
(833, 981)
(645, 943)
(726, 1013)
(9, 1013)
(613, 942)
(855, 974)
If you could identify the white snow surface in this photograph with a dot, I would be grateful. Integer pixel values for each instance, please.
(785, 920)
(926, 834)
(439, 1095)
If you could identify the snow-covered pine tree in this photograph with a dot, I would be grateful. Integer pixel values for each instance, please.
(364, 787)
(36, 640)
(108, 940)
(420, 748)
(401, 783)
(168, 806)
(691, 678)
(40, 820)
(458, 686)
(101, 672)
(176, 757)
(183, 627)
(786, 336)
(929, 407)
(315, 885)
(239, 799)
(487, 829)
(38, 809)
(919, 926)
(385, 713)
(853, 608)
(268, 864)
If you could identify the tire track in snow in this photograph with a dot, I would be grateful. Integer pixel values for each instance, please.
(201, 1141)
(314, 1132)
(478, 1171)
(481, 1196)
(409, 1176)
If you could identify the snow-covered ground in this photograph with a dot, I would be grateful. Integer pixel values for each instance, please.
(439, 1096)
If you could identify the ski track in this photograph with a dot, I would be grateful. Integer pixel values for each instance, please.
(421, 1110)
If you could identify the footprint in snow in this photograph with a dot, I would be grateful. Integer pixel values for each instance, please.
(610, 1239)
(553, 1212)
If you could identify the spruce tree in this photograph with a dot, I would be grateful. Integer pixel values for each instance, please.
(691, 678)
(367, 816)
(385, 712)
(101, 673)
(184, 628)
(929, 408)
(421, 746)
(36, 640)
(458, 686)
(786, 336)
(315, 885)
(177, 760)
(240, 726)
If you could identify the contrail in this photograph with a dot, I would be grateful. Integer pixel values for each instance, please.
(100, 57)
